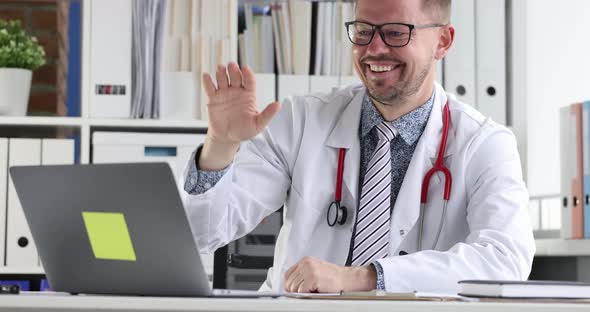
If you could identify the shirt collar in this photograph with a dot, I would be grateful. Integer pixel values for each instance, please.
(410, 126)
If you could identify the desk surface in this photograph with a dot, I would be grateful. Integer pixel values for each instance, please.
(54, 302)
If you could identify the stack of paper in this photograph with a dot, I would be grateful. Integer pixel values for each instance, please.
(291, 33)
(200, 34)
(300, 17)
(256, 42)
(280, 31)
(333, 49)
(148, 24)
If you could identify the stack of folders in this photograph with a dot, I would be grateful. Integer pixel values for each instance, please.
(174, 42)
(199, 35)
(148, 31)
(17, 248)
(524, 289)
(283, 31)
(333, 50)
(575, 170)
(256, 42)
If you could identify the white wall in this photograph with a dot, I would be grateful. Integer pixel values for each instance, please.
(552, 46)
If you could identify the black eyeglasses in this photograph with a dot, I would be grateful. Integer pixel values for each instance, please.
(395, 35)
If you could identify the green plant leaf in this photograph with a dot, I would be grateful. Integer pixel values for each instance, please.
(19, 49)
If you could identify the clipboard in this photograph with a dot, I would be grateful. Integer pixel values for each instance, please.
(376, 295)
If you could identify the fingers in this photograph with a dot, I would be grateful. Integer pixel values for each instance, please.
(234, 80)
(290, 271)
(208, 84)
(266, 115)
(291, 277)
(222, 81)
(293, 283)
(300, 280)
(248, 79)
(235, 75)
(307, 286)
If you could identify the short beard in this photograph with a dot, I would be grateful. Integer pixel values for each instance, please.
(401, 92)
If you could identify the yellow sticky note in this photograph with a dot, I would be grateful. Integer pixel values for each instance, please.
(109, 235)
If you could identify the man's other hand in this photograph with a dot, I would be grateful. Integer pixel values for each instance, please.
(313, 275)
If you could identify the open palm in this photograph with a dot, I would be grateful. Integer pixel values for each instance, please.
(232, 109)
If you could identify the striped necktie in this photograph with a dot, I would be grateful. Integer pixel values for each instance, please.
(371, 238)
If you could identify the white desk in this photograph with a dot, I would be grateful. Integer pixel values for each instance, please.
(106, 303)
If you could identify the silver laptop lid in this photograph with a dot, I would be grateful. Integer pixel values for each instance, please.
(111, 229)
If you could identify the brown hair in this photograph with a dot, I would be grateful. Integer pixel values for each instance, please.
(440, 9)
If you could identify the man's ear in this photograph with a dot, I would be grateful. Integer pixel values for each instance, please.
(445, 41)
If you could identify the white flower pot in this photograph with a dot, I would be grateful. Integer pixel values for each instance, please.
(15, 84)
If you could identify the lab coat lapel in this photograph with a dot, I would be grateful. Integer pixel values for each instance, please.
(345, 135)
(407, 206)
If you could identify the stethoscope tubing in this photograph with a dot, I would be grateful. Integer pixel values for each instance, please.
(438, 166)
(340, 213)
(341, 156)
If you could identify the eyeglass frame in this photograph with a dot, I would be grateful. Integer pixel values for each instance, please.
(377, 28)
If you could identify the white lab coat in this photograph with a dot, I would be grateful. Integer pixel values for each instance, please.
(487, 233)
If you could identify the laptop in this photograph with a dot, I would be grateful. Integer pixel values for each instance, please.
(113, 229)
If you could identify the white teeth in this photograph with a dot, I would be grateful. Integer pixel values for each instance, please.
(377, 68)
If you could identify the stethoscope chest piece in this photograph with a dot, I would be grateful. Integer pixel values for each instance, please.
(337, 214)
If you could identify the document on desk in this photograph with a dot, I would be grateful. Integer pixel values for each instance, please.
(377, 295)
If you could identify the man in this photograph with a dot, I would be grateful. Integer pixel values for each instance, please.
(390, 129)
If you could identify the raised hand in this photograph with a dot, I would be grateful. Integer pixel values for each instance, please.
(233, 114)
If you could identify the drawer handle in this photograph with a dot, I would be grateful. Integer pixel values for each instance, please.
(159, 151)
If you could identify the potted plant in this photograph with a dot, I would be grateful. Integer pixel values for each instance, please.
(20, 54)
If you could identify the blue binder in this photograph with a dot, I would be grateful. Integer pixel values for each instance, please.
(24, 284)
(44, 285)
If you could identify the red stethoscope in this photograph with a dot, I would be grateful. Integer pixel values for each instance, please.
(337, 214)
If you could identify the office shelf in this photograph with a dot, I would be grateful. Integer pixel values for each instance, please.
(562, 247)
(21, 270)
(34, 121)
(147, 123)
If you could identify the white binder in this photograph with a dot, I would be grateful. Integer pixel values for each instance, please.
(319, 39)
(57, 152)
(567, 126)
(347, 14)
(20, 249)
(3, 195)
(490, 43)
(292, 85)
(110, 63)
(459, 67)
(232, 10)
(300, 17)
(265, 90)
(323, 84)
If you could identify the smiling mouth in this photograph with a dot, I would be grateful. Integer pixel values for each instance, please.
(382, 68)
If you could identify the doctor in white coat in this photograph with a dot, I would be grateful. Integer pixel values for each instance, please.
(287, 155)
